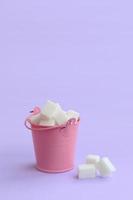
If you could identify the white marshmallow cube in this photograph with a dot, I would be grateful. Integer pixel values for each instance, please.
(105, 167)
(50, 108)
(60, 117)
(35, 119)
(72, 114)
(49, 122)
(86, 171)
(92, 159)
(52, 114)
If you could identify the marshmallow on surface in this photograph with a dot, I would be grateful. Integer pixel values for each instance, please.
(105, 167)
(86, 171)
(92, 159)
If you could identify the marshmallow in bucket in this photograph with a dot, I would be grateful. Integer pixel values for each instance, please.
(52, 114)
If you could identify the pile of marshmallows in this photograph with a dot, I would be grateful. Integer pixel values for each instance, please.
(95, 165)
(52, 114)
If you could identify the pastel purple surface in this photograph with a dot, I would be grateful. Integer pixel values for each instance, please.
(78, 53)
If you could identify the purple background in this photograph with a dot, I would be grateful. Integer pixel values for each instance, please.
(78, 53)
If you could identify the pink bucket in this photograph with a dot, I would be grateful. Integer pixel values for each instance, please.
(54, 146)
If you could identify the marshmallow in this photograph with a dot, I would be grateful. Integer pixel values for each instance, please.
(52, 114)
(86, 171)
(92, 159)
(49, 122)
(35, 119)
(72, 114)
(105, 167)
(50, 108)
(60, 117)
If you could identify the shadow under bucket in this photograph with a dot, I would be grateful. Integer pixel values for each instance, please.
(54, 146)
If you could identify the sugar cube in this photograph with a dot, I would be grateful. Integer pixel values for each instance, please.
(86, 171)
(105, 167)
(72, 114)
(50, 108)
(60, 117)
(92, 159)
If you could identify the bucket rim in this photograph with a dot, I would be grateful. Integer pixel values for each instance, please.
(29, 125)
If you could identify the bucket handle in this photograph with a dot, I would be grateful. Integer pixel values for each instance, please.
(27, 124)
